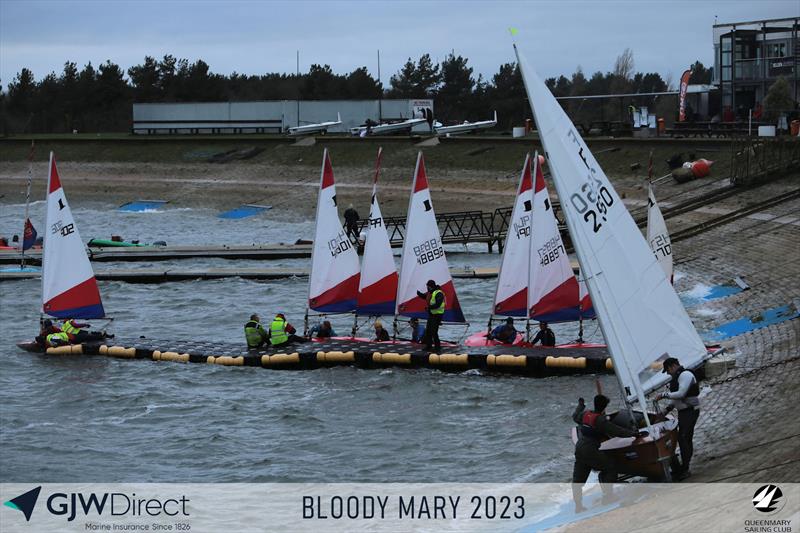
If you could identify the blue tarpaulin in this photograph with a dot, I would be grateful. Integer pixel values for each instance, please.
(244, 211)
(745, 325)
(137, 206)
(714, 292)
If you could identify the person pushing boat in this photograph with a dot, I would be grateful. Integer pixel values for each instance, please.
(684, 395)
(593, 428)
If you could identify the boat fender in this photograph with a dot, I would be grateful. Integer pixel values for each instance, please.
(280, 359)
(336, 357)
(227, 360)
(59, 350)
(565, 362)
(609, 364)
(122, 352)
(448, 359)
(391, 358)
(103, 350)
(507, 360)
(210, 359)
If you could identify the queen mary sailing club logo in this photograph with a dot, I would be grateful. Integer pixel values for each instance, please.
(25, 502)
(769, 499)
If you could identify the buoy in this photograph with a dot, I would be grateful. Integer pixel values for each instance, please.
(122, 352)
(509, 360)
(336, 357)
(103, 350)
(565, 362)
(448, 359)
(280, 359)
(210, 359)
(59, 350)
(609, 364)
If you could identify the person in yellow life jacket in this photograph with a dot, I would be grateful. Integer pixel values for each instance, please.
(255, 334)
(47, 327)
(593, 428)
(436, 305)
(282, 333)
(78, 334)
(57, 339)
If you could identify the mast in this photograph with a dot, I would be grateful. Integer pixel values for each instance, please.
(27, 204)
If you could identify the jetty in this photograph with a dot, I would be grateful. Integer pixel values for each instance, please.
(533, 362)
(161, 275)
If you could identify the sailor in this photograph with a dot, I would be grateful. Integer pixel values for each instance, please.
(436, 306)
(255, 334)
(282, 333)
(351, 219)
(417, 330)
(47, 328)
(381, 335)
(57, 339)
(684, 393)
(545, 334)
(322, 331)
(78, 334)
(593, 428)
(505, 333)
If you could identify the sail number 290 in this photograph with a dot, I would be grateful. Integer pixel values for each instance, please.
(593, 206)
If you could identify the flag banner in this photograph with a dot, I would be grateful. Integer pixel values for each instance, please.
(29, 237)
(392, 507)
(684, 87)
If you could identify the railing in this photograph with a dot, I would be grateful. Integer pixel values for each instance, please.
(755, 159)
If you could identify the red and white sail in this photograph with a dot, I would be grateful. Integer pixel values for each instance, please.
(69, 288)
(511, 295)
(641, 317)
(333, 283)
(377, 289)
(553, 292)
(423, 255)
(658, 236)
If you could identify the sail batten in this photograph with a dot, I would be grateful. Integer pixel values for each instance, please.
(69, 287)
(639, 312)
(334, 278)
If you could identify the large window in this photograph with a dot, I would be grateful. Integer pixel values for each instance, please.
(777, 49)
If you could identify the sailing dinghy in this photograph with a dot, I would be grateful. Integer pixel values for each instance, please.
(423, 255)
(377, 289)
(333, 282)
(69, 287)
(639, 312)
(536, 280)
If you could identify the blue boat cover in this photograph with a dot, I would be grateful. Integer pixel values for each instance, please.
(745, 325)
(137, 206)
(244, 211)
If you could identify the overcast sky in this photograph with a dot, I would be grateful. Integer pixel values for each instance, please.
(256, 36)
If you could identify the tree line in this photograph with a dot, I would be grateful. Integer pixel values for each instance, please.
(99, 99)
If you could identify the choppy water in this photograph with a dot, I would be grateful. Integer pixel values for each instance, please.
(101, 419)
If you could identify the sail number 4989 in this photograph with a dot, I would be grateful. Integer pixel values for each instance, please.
(599, 202)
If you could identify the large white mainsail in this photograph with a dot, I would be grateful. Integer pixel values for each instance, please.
(657, 234)
(511, 294)
(640, 314)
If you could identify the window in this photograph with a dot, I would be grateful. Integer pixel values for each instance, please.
(776, 49)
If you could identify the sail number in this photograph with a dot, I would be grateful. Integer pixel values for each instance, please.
(522, 227)
(551, 251)
(340, 244)
(661, 246)
(428, 251)
(593, 206)
(63, 229)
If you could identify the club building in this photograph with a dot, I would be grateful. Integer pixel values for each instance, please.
(750, 56)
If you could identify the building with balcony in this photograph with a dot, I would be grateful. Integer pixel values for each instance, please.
(750, 56)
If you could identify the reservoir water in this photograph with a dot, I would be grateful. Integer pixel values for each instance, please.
(87, 419)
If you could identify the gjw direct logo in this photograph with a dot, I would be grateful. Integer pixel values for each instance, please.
(115, 504)
(769, 499)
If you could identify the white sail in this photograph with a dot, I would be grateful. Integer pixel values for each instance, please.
(423, 255)
(553, 294)
(69, 288)
(640, 314)
(511, 295)
(377, 288)
(333, 282)
(657, 235)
